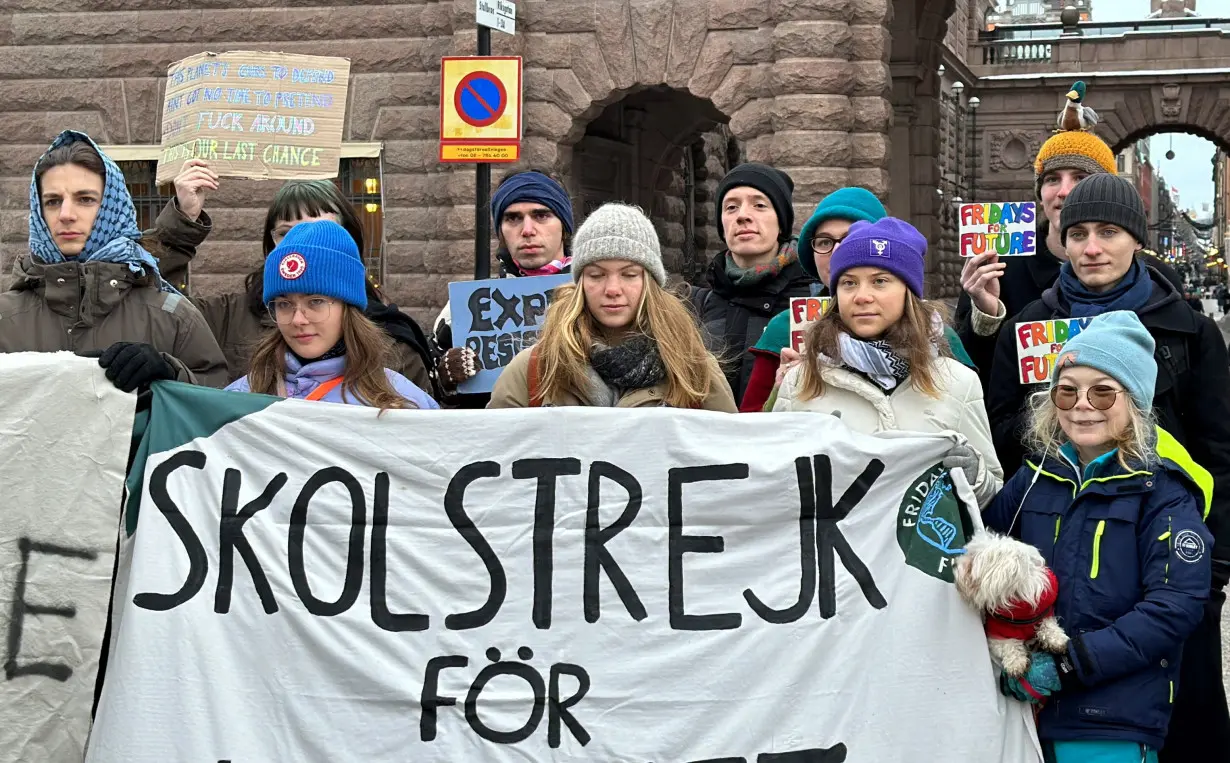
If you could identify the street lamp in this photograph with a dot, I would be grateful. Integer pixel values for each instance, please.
(974, 103)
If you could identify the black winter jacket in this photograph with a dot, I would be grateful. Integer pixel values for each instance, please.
(1191, 399)
(732, 319)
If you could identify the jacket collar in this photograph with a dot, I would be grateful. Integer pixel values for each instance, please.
(84, 292)
(791, 276)
(844, 378)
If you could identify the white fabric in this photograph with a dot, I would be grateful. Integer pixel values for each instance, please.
(911, 681)
(865, 408)
(64, 435)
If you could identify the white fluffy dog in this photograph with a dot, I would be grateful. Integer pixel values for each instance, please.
(1009, 583)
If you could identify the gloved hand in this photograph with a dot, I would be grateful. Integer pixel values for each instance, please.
(455, 366)
(134, 365)
(965, 458)
(1040, 681)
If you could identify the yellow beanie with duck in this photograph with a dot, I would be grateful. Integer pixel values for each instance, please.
(1073, 150)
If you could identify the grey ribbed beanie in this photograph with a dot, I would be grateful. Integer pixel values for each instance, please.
(618, 232)
(1105, 198)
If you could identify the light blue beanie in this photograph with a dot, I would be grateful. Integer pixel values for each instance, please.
(1118, 345)
(318, 257)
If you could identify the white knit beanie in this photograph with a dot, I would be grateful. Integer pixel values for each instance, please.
(618, 232)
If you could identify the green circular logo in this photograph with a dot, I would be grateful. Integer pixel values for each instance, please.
(932, 524)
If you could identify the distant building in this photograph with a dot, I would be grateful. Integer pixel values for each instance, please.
(1037, 11)
(1169, 9)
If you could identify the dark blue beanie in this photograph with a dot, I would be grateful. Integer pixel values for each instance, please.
(317, 258)
(532, 187)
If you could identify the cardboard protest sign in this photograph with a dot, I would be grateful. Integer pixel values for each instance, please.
(804, 311)
(255, 115)
(1003, 228)
(62, 460)
(1039, 342)
(497, 318)
(474, 585)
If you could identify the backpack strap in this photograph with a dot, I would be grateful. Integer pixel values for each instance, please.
(535, 399)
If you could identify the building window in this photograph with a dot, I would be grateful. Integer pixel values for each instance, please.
(359, 180)
(147, 197)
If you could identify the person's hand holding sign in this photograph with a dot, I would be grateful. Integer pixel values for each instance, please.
(195, 178)
(980, 279)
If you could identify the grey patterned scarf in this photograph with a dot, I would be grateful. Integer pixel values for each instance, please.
(633, 364)
(876, 359)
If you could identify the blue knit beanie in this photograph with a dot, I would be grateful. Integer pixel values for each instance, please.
(851, 204)
(1118, 345)
(533, 187)
(889, 244)
(317, 258)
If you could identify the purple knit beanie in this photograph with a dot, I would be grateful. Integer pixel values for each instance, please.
(889, 244)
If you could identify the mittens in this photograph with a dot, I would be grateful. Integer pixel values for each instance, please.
(1040, 681)
(135, 365)
(456, 366)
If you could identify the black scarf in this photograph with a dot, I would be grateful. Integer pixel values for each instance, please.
(633, 364)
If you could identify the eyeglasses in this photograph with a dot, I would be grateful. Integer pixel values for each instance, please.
(825, 244)
(1101, 396)
(314, 309)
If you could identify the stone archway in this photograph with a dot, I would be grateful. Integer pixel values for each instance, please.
(660, 149)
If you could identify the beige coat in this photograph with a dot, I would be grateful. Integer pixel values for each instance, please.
(81, 306)
(512, 390)
(864, 407)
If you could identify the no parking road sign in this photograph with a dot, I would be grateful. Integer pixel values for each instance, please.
(480, 109)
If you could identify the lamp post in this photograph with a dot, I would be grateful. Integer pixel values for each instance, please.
(974, 103)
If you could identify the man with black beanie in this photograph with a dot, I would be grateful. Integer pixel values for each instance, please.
(1102, 227)
(757, 274)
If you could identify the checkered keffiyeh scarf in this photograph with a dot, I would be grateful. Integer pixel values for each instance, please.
(115, 233)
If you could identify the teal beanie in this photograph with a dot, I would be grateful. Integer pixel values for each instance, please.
(1118, 345)
(851, 204)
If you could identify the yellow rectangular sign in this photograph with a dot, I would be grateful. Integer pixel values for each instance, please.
(468, 152)
(480, 106)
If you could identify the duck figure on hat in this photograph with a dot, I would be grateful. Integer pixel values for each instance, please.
(1076, 115)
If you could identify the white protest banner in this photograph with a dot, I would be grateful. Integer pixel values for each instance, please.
(804, 311)
(1004, 228)
(1038, 343)
(255, 115)
(315, 582)
(63, 450)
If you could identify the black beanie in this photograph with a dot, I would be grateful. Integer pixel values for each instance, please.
(770, 181)
(1105, 198)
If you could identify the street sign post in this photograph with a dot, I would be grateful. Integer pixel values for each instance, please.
(500, 15)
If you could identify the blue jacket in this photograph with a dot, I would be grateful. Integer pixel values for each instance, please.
(302, 378)
(1133, 560)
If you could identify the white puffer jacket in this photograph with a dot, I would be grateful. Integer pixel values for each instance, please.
(864, 407)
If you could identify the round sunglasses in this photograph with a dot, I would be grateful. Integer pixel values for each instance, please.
(1101, 396)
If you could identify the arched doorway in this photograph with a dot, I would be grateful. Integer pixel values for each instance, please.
(663, 150)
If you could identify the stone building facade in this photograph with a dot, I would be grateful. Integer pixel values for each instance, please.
(649, 101)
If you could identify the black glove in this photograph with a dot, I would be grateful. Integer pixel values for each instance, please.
(134, 365)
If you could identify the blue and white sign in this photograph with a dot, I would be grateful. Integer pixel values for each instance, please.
(500, 15)
(498, 318)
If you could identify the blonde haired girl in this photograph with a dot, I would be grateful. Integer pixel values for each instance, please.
(1111, 502)
(616, 337)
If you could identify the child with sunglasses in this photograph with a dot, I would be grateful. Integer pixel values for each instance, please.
(1116, 507)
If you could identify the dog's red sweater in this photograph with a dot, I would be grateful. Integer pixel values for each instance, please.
(1020, 620)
